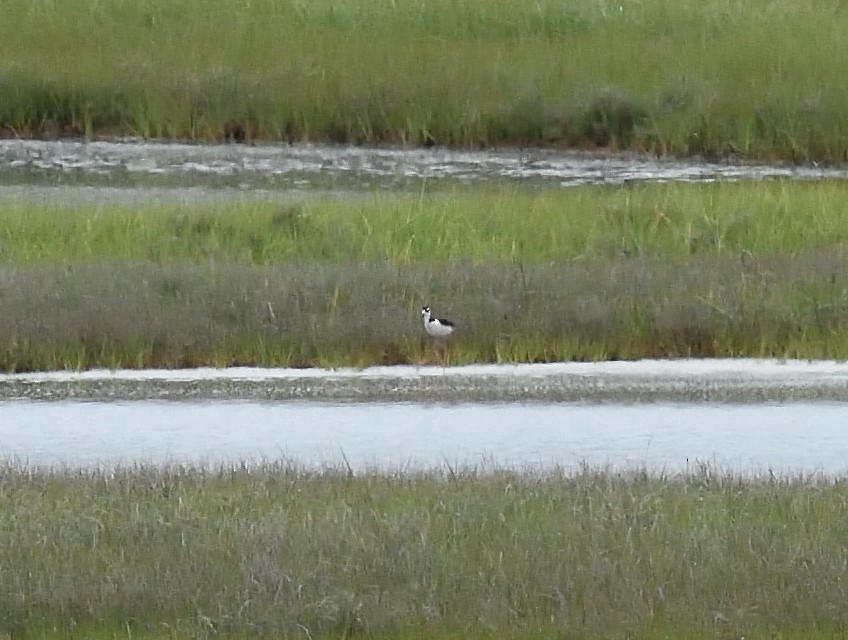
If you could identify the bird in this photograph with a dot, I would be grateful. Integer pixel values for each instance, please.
(439, 329)
(436, 327)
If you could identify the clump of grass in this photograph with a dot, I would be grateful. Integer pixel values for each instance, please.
(667, 76)
(274, 551)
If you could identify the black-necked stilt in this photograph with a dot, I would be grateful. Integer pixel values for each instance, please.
(436, 327)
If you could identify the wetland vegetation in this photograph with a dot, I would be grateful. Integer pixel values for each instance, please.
(753, 269)
(474, 225)
(662, 270)
(666, 76)
(276, 552)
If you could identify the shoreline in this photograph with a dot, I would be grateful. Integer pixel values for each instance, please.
(732, 381)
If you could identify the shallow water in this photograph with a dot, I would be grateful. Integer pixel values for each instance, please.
(134, 172)
(793, 438)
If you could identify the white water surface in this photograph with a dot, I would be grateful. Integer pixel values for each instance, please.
(793, 438)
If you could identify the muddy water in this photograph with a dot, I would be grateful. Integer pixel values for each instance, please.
(136, 172)
(794, 438)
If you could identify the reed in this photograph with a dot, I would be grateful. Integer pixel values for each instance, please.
(271, 551)
(678, 77)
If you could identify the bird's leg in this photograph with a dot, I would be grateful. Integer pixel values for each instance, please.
(442, 349)
(426, 356)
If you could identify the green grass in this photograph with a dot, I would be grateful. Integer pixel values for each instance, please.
(673, 270)
(478, 226)
(276, 552)
(667, 76)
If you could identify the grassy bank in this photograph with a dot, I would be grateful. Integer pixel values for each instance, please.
(753, 269)
(274, 552)
(477, 225)
(678, 77)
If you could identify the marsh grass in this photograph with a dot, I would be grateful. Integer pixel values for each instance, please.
(480, 225)
(667, 76)
(273, 551)
(126, 315)
(754, 269)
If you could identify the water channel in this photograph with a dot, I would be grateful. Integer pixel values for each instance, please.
(130, 172)
(794, 438)
(666, 416)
